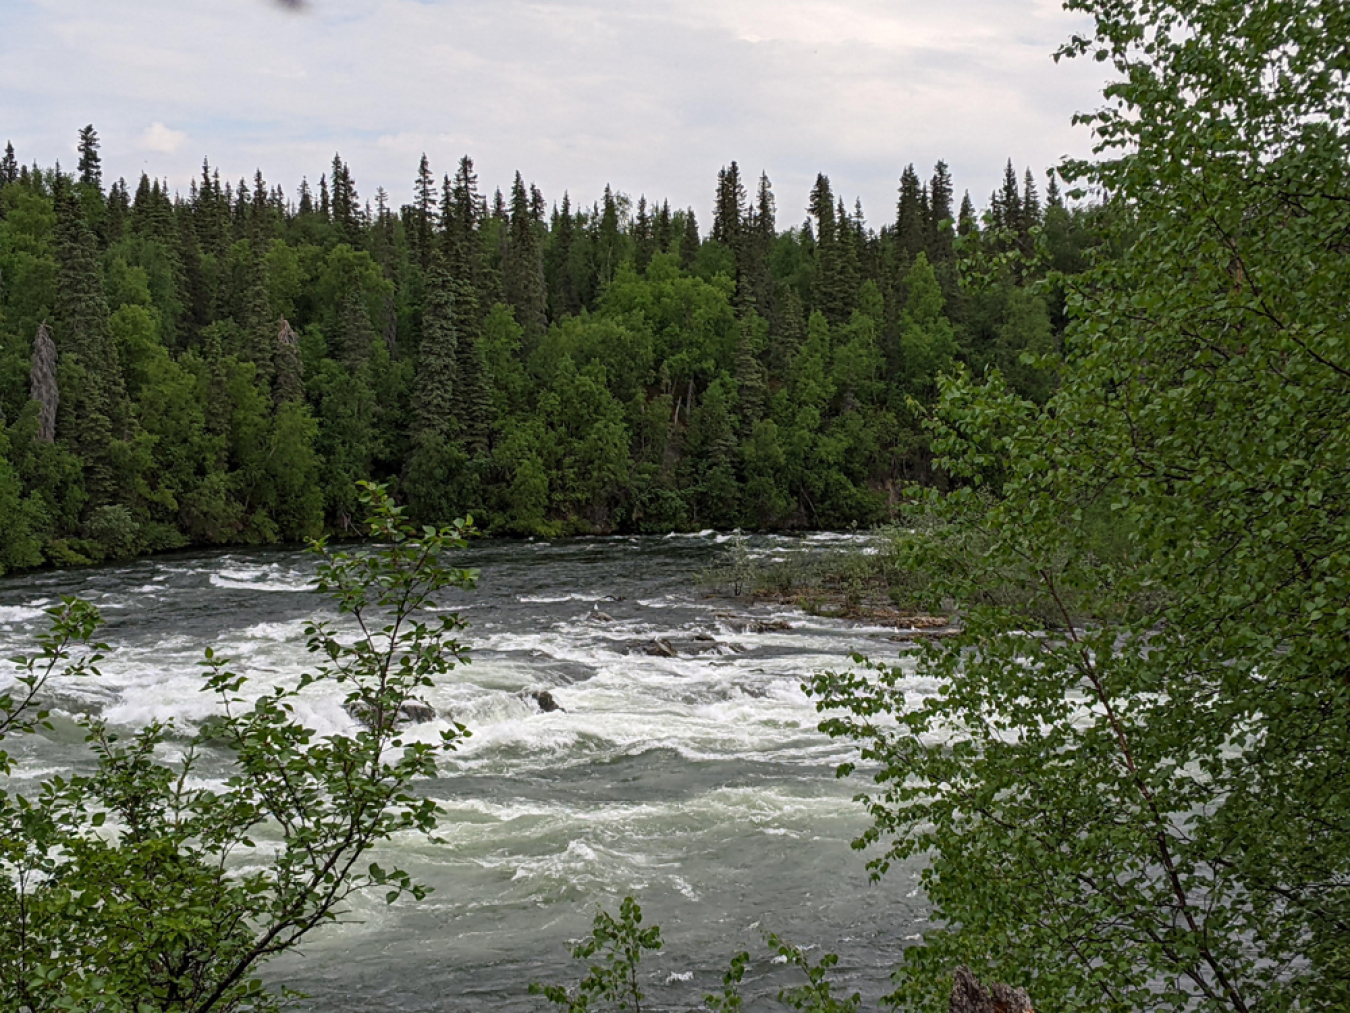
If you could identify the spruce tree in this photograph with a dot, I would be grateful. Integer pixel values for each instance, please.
(98, 412)
(729, 208)
(689, 240)
(1053, 198)
(756, 288)
(643, 241)
(835, 255)
(940, 211)
(1031, 204)
(257, 326)
(523, 268)
(424, 213)
(9, 166)
(607, 242)
(90, 166)
(912, 224)
(751, 378)
(663, 230)
(563, 297)
(438, 358)
(965, 220)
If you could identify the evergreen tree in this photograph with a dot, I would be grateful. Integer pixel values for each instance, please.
(523, 282)
(1031, 204)
(689, 240)
(911, 220)
(940, 195)
(563, 297)
(643, 240)
(9, 166)
(90, 166)
(1005, 206)
(438, 358)
(965, 222)
(663, 230)
(729, 208)
(831, 292)
(1053, 198)
(607, 242)
(751, 379)
(94, 407)
(424, 213)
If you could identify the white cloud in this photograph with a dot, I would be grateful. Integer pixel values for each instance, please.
(158, 137)
(651, 96)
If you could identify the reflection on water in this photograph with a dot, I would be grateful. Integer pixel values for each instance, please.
(698, 781)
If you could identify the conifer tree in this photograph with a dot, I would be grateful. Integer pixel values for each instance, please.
(965, 220)
(911, 221)
(90, 166)
(563, 298)
(305, 199)
(257, 326)
(9, 166)
(424, 213)
(729, 208)
(96, 406)
(751, 379)
(607, 243)
(830, 293)
(438, 358)
(689, 240)
(940, 195)
(643, 240)
(1005, 206)
(523, 282)
(755, 290)
(1053, 198)
(1031, 203)
(345, 202)
(663, 230)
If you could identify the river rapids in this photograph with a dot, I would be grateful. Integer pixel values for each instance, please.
(697, 783)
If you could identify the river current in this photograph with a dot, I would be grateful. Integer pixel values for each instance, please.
(698, 783)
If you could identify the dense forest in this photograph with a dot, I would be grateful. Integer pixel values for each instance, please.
(223, 367)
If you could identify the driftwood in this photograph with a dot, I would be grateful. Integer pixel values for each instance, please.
(969, 996)
(43, 388)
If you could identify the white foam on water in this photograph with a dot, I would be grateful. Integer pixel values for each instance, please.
(558, 599)
(20, 613)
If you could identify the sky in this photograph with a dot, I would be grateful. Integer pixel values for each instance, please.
(649, 96)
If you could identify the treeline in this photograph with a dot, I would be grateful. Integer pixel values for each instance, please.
(223, 367)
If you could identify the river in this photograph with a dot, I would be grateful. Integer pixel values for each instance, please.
(698, 783)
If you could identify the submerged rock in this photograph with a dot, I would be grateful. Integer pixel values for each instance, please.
(969, 996)
(660, 647)
(412, 712)
(751, 624)
(543, 699)
(601, 617)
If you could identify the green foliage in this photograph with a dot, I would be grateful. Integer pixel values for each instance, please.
(138, 887)
(1128, 780)
(228, 368)
(615, 947)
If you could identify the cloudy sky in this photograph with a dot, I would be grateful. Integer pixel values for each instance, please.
(649, 95)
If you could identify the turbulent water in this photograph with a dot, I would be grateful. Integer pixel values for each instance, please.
(698, 783)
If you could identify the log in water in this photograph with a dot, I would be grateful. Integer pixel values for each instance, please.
(697, 782)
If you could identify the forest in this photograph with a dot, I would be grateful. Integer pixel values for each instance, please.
(223, 367)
